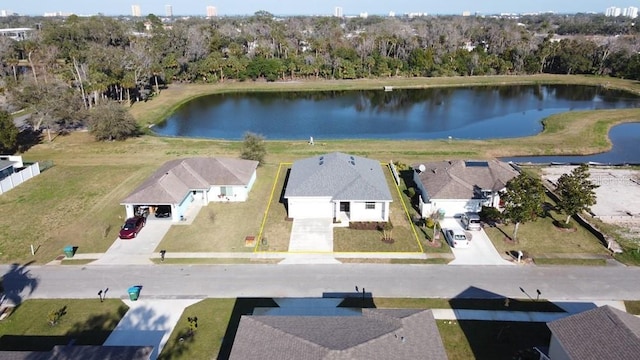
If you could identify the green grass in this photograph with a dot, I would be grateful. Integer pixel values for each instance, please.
(212, 261)
(541, 237)
(215, 317)
(570, 261)
(77, 202)
(632, 306)
(77, 261)
(276, 230)
(471, 304)
(222, 226)
(88, 322)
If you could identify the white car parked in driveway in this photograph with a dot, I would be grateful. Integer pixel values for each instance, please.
(456, 238)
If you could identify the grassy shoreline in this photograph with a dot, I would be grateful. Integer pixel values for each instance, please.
(561, 134)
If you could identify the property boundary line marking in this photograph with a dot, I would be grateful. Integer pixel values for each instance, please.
(266, 212)
(406, 211)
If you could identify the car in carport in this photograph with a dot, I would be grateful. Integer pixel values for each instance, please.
(132, 227)
(163, 211)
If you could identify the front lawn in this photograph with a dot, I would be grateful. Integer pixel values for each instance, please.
(223, 226)
(87, 322)
(543, 237)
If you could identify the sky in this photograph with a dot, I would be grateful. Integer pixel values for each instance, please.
(310, 7)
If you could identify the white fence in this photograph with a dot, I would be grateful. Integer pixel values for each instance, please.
(18, 178)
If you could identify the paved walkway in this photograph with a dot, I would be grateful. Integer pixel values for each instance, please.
(148, 323)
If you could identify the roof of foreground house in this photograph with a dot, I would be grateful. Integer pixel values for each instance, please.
(377, 334)
(171, 182)
(601, 333)
(338, 176)
(458, 179)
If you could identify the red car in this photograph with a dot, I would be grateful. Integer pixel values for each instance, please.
(132, 227)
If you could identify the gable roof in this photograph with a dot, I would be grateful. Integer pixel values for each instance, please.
(338, 176)
(377, 334)
(601, 333)
(170, 183)
(458, 179)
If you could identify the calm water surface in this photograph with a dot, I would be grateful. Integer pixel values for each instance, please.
(466, 113)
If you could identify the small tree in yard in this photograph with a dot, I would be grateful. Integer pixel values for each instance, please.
(253, 147)
(8, 132)
(576, 192)
(523, 200)
(112, 121)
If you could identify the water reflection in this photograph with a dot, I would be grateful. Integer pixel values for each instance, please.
(469, 113)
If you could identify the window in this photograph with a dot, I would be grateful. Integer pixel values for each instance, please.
(370, 205)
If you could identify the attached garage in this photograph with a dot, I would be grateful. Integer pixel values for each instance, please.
(340, 186)
(180, 183)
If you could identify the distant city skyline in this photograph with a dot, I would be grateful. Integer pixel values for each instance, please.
(295, 7)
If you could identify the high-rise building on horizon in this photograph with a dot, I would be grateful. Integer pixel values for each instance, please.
(135, 10)
(168, 10)
(212, 11)
(630, 12)
(337, 12)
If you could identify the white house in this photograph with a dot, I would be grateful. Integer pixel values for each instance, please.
(179, 183)
(338, 186)
(601, 333)
(459, 186)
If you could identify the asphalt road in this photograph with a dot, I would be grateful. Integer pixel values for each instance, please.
(177, 281)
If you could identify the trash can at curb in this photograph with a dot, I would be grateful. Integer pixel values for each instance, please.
(68, 251)
(134, 292)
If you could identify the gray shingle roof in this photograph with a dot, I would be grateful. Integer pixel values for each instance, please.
(377, 334)
(457, 179)
(170, 183)
(601, 333)
(338, 176)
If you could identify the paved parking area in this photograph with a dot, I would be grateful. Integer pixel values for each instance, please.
(480, 252)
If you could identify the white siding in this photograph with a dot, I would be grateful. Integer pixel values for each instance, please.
(308, 208)
(451, 207)
(359, 212)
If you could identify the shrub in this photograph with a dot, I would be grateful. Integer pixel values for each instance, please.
(490, 215)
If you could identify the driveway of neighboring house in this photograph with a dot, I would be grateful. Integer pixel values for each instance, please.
(136, 251)
(311, 235)
(480, 252)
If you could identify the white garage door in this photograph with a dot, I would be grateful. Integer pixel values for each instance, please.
(310, 208)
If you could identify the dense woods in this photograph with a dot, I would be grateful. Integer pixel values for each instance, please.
(71, 65)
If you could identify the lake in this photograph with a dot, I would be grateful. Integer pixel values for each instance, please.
(401, 114)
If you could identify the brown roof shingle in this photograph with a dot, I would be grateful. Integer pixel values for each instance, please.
(171, 182)
(458, 179)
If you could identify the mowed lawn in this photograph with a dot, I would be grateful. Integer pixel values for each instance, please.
(87, 322)
(542, 237)
(223, 226)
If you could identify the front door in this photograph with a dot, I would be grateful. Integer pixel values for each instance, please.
(345, 206)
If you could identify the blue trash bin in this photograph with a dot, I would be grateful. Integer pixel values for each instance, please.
(134, 293)
(68, 251)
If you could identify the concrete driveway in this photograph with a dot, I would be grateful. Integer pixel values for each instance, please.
(311, 235)
(480, 252)
(136, 251)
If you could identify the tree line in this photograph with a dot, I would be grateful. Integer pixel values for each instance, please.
(69, 66)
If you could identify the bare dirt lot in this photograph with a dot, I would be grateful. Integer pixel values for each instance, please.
(618, 194)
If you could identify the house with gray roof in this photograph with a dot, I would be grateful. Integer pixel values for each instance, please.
(459, 186)
(340, 186)
(600, 333)
(374, 334)
(182, 182)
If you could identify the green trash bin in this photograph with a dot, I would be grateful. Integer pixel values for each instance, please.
(68, 251)
(134, 293)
